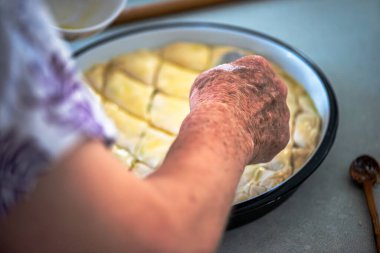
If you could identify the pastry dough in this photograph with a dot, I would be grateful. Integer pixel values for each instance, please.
(299, 157)
(281, 160)
(241, 195)
(153, 147)
(273, 178)
(249, 184)
(141, 170)
(130, 128)
(252, 173)
(187, 54)
(95, 76)
(128, 93)
(306, 104)
(255, 190)
(141, 65)
(146, 93)
(124, 156)
(306, 130)
(292, 102)
(174, 80)
(168, 112)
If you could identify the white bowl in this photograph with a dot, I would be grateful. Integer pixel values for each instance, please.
(292, 61)
(78, 19)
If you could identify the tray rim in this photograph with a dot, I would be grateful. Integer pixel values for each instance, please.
(289, 185)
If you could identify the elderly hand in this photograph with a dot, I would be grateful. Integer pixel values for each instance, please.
(249, 95)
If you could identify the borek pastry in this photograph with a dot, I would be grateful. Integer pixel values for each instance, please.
(128, 93)
(188, 54)
(141, 170)
(153, 147)
(175, 80)
(168, 112)
(141, 65)
(130, 128)
(124, 156)
(146, 93)
(95, 76)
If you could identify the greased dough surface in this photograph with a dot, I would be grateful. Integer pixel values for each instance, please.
(168, 112)
(141, 65)
(146, 93)
(128, 93)
(175, 80)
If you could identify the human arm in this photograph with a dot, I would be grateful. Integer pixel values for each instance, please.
(180, 208)
(89, 203)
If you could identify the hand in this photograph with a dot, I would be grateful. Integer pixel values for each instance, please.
(249, 92)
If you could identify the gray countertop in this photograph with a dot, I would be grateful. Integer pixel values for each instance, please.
(327, 213)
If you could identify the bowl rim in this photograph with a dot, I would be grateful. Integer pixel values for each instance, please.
(95, 27)
(276, 193)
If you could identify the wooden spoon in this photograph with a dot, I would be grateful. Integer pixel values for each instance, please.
(365, 171)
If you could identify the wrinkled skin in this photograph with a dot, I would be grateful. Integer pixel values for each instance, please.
(253, 97)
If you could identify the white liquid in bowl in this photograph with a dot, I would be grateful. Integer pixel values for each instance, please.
(83, 14)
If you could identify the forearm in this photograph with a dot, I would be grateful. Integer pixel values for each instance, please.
(87, 203)
(200, 174)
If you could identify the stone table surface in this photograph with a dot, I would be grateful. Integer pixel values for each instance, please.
(327, 213)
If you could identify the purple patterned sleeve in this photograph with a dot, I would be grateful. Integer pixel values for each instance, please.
(45, 109)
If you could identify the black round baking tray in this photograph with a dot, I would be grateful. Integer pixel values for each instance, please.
(256, 207)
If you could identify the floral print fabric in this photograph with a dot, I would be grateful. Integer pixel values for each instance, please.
(45, 109)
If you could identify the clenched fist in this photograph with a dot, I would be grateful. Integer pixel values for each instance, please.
(248, 94)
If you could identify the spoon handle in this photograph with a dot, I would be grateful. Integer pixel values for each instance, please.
(372, 209)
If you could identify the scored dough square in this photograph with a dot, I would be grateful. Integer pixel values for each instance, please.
(128, 93)
(187, 54)
(124, 156)
(141, 170)
(95, 76)
(141, 65)
(175, 80)
(153, 147)
(168, 112)
(130, 128)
